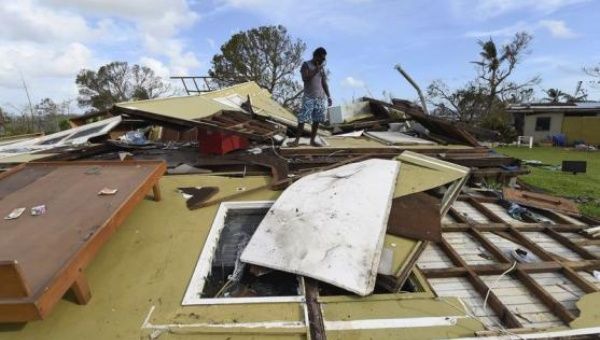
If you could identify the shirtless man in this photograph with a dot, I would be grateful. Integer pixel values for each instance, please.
(316, 95)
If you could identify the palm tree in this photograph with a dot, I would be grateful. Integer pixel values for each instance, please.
(497, 63)
(554, 95)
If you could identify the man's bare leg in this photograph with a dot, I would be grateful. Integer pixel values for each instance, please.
(299, 131)
(313, 133)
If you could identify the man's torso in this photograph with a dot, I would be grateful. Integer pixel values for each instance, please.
(314, 87)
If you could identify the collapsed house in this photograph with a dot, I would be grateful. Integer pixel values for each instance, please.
(387, 230)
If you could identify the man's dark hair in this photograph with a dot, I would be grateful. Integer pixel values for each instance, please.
(320, 51)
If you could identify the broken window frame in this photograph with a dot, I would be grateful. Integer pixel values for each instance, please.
(203, 265)
(202, 269)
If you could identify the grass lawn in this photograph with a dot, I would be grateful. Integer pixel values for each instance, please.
(563, 183)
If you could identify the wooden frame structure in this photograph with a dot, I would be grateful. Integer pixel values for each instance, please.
(548, 262)
(227, 121)
(19, 302)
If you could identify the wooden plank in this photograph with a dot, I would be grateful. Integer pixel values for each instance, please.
(541, 253)
(581, 282)
(491, 269)
(315, 314)
(485, 211)
(470, 213)
(416, 216)
(498, 254)
(499, 308)
(551, 246)
(541, 201)
(12, 283)
(556, 307)
(490, 226)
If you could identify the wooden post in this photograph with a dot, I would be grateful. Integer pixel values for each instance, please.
(81, 289)
(156, 192)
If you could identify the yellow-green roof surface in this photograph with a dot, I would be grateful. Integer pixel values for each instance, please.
(147, 265)
(207, 104)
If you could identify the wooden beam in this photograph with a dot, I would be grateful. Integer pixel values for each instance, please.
(493, 269)
(570, 244)
(485, 211)
(582, 283)
(503, 313)
(489, 246)
(492, 226)
(555, 307)
(526, 242)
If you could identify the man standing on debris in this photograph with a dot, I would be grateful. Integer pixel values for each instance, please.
(316, 95)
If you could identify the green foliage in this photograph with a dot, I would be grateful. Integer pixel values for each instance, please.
(45, 119)
(465, 104)
(118, 82)
(63, 124)
(500, 121)
(266, 55)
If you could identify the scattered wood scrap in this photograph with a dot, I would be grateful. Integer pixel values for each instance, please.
(541, 201)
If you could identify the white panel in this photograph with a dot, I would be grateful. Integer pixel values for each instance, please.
(329, 226)
(397, 138)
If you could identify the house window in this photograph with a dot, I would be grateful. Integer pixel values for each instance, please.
(542, 124)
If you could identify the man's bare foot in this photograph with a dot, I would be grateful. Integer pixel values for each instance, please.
(292, 144)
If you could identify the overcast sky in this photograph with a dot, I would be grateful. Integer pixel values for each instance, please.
(49, 41)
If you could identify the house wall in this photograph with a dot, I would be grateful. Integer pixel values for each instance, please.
(556, 121)
(585, 129)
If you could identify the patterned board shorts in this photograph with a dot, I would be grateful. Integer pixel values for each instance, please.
(313, 110)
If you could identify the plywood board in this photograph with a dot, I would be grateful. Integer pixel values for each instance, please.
(329, 226)
(416, 216)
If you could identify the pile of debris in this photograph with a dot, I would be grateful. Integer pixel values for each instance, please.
(392, 207)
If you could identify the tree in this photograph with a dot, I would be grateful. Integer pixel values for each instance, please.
(554, 95)
(518, 95)
(2, 122)
(494, 67)
(118, 82)
(47, 112)
(266, 55)
(464, 104)
(593, 71)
